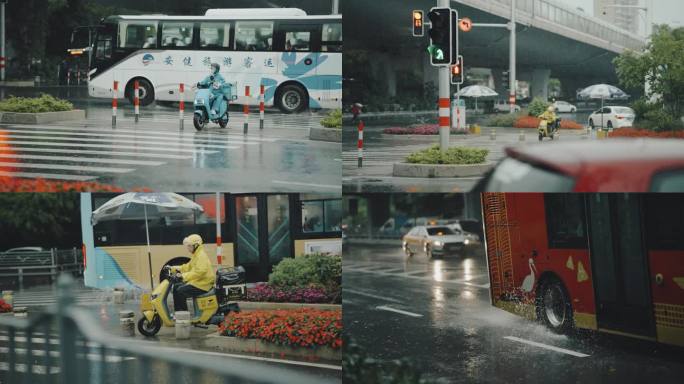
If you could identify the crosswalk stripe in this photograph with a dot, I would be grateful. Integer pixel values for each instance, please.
(59, 167)
(50, 176)
(80, 159)
(84, 145)
(115, 140)
(19, 148)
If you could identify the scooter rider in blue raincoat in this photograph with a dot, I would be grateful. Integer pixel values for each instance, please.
(214, 81)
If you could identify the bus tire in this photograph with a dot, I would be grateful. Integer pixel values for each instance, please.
(149, 328)
(291, 98)
(146, 91)
(554, 308)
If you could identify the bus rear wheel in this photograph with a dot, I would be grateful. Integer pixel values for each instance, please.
(145, 92)
(291, 99)
(554, 307)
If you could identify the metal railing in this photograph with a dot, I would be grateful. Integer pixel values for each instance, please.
(81, 352)
(41, 264)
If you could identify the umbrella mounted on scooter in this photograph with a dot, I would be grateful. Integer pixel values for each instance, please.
(143, 206)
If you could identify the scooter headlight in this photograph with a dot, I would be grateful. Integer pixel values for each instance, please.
(199, 102)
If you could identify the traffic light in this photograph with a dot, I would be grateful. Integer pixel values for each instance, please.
(457, 75)
(504, 79)
(454, 37)
(440, 33)
(418, 23)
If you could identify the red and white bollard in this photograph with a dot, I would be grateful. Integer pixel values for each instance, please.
(136, 100)
(181, 107)
(359, 145)
(261, 107)
(245, 110)
(115, 96)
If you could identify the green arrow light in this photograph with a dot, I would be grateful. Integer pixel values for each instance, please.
(435, 52)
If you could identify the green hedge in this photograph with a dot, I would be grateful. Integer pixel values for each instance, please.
(44, 103)
(537, 107)
(454, 155)
(315, 269)
(333, 120)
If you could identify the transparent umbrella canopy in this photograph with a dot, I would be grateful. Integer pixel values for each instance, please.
(603, 92)
(476, 91)
(143, 206)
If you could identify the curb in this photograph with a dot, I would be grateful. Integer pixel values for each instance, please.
(440, 170)
(326, 134)
(41, 118)
(235, 344)
(254, 305)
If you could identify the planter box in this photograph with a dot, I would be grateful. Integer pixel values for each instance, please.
(440, 170)
(325, 134)
(252, 305)
(236, 344)
(41, 118)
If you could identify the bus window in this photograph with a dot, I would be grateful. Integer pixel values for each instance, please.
(254, 35)
(669, 181)
(214, 35)
(298, 41)
(176, 34)
(565, 221)
(138, 34)
(331, 40)
(103, 48)
(321, 215)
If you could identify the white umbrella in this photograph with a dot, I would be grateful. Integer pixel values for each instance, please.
(603, 92)
(138, 205)
(476, 91)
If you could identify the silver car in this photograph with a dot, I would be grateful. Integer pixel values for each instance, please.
(433, 240)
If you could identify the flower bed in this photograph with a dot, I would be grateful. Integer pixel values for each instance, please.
(533, 122)
(297, 328)
(265, 292)
(13, 184)
(425, 129)
(636, 132)
(4, 306)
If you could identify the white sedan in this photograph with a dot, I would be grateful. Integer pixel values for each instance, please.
(612, 117)
(564, 107)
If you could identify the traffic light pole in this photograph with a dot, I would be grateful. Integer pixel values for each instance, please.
(444, 97)
(3, 59)
(511, 74)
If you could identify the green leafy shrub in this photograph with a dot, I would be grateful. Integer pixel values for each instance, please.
(333, 120)
(537, 107)
(455, 155)
(315, 269)
(44, 103)
(654, 116)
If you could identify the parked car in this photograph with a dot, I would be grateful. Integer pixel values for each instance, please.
(433, 240)
(564, 107)
(594, 166)
(612, 117)
(503, 106)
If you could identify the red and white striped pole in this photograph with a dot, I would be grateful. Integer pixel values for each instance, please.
(359, 145)
(261, 107)
(115, 96)
(219, 216)
(136, 100)
(181, 109)
(245, 109)
(444, 123)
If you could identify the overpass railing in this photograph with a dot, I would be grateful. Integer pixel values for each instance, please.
(41, 264)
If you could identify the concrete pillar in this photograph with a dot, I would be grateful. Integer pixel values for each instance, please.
(540, 83)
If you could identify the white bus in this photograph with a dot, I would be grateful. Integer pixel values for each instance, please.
(298, 58)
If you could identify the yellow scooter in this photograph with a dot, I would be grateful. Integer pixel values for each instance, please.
(547, 129)
(210, 308)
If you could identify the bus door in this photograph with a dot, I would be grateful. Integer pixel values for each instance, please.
(263, 235)
(619, 264)
(298, 42)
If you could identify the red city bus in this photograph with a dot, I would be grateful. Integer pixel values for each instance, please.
(607, 262)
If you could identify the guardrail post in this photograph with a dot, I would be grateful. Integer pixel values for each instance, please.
(245, 110)
(261, 106)
(181, 107)
(66, 330)
(136, 100)
(21, 278)
(115, 96)
(359, 145)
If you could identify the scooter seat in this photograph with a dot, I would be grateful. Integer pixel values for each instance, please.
(210, 292)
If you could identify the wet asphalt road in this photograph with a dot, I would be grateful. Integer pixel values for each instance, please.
(381, 151)
(99, 304)
(154, 153)
(450, 330)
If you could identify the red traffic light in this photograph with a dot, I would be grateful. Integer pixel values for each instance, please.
(465, 24)
(456, 69)
(418, 23)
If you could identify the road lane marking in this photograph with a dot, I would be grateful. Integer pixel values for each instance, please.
(307, 184)
(59, 167)
(77, 159)
(85, 145)
(545, 346)
(390, 309)
(409, 275)
(52, 176)
(354, 292)
(115, 140)
(19, 148)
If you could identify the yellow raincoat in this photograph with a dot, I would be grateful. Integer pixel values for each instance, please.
(549, 116)
(198, 272)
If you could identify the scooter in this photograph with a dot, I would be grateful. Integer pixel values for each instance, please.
(210, 308)
(204, 99)
(548, 130)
